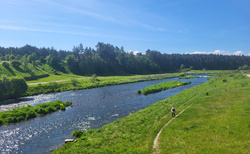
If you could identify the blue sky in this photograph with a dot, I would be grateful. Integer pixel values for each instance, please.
(168, 26)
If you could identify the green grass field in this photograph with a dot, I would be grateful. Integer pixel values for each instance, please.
(217, 122)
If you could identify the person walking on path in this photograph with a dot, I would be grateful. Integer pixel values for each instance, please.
(173, 111)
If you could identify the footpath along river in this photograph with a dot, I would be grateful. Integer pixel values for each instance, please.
(92, 108)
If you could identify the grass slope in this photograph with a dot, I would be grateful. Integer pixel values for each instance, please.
(217, 122)
(20, 72)
(87, 82)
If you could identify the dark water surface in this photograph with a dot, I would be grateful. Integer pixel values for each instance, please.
(92, 108)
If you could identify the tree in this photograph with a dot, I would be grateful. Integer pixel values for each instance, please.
(32, 58)
(12, 87)
(182, 67)
(18, 87)
(15, 63)
(78, 51)
(12, 57)
(6, 57)
(53, 61)
(106, 52)
(72, 64)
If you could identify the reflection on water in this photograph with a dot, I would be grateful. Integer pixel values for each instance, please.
(92, 108)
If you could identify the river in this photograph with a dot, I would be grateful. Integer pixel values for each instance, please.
(92, 108)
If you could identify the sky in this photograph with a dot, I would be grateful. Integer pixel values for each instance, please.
(167, 26)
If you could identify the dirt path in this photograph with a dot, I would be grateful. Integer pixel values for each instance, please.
(248, 75)
(156, 142)
(29, 84)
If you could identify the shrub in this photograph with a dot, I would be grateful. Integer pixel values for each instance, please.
(30, 115)
(74, 81)
(93, 78)
(29, 112)
(78, 133)
(91, 131)
(10, 120)
(138, 92)
(15, 63)
(6, 65)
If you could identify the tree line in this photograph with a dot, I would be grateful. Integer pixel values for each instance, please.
(107, 59)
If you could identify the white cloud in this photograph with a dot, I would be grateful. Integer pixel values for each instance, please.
(134, 52)
(199, 52)
(218, 52)
(238, 53)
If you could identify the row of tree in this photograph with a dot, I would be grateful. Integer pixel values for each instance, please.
(107, 59)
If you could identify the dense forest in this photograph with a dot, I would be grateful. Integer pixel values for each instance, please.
(107, 59)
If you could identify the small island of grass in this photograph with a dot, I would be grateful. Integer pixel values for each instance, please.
(162, 86)
(29, 112)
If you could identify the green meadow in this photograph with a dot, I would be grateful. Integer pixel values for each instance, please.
(73, 82)
(216, 122)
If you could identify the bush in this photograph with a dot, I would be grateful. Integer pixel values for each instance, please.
(30, 115)
(29, 112)
(78, 133)
(15, 63)
(62, 108)
(6, 65)
(12, 88)
(74, 81)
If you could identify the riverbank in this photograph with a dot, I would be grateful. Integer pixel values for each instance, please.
(36, 88)
(215, 104)
(93, 108)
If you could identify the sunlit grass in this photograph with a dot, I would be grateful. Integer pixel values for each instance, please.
(215, 123)
(29, 112)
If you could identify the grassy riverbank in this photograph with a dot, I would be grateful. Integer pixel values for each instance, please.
(29, 112)
(217, 122)
(91, 82)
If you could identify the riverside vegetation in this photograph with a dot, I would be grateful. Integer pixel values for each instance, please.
(187, 77)
(13, 85)
(162, 86)
(219, 114)
(92, 82)
(32, 63)
(29, 112)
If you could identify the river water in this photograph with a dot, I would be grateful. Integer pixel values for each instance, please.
(92, 108)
